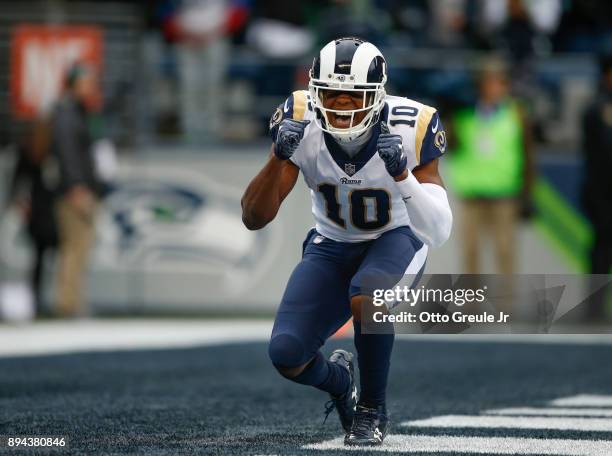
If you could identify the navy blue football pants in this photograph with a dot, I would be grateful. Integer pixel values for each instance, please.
(316, 302)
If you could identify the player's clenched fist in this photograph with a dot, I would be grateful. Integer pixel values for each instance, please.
(391, 151)
(290, 133)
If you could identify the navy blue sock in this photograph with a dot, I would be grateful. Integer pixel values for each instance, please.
(374, 357)
(326, 376)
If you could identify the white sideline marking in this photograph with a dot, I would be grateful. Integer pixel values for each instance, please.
(583, 400)
(482, 445)
(552, 411)
(53, 337)
(476, 421)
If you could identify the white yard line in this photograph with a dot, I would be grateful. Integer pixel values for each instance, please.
(52, 337)
(511, 422)
(105, 335)
(482, 445)
(556, 418)
(551, 411)
(583, 400)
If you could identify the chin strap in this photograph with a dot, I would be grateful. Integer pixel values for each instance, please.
(430, 214)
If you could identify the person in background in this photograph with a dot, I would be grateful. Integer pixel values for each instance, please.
(597, 187)
(491, 168)
(32, 190)
(201, 32)
(521, 27)
(280, 30)
(78, 185)
(448, 23)
(360, 18)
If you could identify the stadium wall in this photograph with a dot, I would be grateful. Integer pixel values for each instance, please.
(170, 239)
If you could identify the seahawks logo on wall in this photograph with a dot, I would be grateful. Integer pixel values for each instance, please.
(276, 117)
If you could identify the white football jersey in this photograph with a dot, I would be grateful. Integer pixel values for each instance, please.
(354, 199)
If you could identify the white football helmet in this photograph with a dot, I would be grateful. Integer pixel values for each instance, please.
(348, 65)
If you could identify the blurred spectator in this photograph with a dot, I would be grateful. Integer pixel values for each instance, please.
(544, 15)
(200, 29)
(519, 26)
(33, 192)
(280, 32)
(352, 18)
(78, 185)
(491, 168)
(279, 29)
(410, 20)
(448, 22)
(586, 26)
(518, 32)
(597, 188)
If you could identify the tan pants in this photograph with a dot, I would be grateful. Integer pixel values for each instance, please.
(483, 218)
(76, 233)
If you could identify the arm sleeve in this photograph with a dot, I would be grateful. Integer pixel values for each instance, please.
(430, 214)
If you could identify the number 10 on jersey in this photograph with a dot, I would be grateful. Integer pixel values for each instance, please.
(358, 207)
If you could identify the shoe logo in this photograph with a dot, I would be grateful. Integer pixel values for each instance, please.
(435, 129)
(378, 434)
(286, 107)
(318, 239)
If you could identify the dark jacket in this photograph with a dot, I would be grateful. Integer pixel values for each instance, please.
(597, 145)
(71, 145)
(41, 193)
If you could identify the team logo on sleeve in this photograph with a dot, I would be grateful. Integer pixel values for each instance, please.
(440, 141)
(276, 117)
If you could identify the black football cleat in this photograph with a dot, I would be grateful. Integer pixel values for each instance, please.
(346, 403)
(369, 427)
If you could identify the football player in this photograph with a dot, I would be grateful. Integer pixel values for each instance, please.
(371, 163)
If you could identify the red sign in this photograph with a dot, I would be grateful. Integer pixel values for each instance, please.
(40, 57)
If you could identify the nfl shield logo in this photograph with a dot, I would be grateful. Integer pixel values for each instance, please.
(349, 169)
